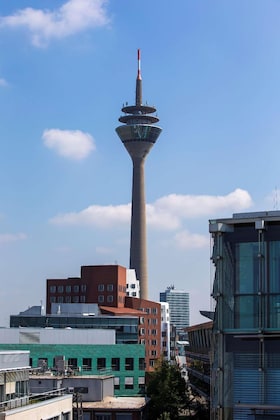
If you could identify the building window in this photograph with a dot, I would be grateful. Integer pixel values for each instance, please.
(101, 287)
(154, 311)
(73, 363)
(103, 416)
(154, 342)
(75, 299)
(154, 321)
(116, 382)
(128, 382)
(142, 331)
(52, 299)
(141, 363)
(110, 287)
(76, 288)
(129, 363)
(164, 344)
(153, 353)
(60, 299)
(115, 363)
(67, 299)
(68, 289)
(148, 310)
(82, 299)
(141, 383)
(83, 288)
(60, 289)
(151, 362)
(52, 289)
(132, 286)
(87, 363)
(142, 320)
(154, 332)
(110, 298)
(101, 363)
(100, 298)
(134, 294)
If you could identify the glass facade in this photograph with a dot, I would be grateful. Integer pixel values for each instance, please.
(246, 329)
(178, 306)
(126, 327)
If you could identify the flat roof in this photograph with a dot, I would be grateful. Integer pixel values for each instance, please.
(247, 217)
(118, 403)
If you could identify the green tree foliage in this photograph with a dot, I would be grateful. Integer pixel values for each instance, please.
(167, 390)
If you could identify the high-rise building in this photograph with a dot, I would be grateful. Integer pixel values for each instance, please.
(179, 307)
(245, 379)
(138, 135)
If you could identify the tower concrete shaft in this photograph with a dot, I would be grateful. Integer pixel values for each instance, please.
(138, 135)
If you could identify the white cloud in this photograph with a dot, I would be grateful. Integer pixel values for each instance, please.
(188, 240)
(161, 218)
(194, 206)
(167, 213)
(100, 216)
(72, 17)
(71, 144)
(11, 237)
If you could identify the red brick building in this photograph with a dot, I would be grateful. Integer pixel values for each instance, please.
(149, 328)
(106, 286)
(101, 284)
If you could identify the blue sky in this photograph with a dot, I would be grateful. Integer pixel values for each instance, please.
(66, 67)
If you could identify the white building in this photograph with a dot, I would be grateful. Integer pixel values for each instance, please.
(132, 284)
(165, 330)
(16, 403)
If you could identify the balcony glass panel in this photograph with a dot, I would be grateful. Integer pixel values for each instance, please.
(247, 267)
(246, 311)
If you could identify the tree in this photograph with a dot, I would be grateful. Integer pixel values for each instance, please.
(167, 390)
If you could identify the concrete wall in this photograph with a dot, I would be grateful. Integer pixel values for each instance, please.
(56, 336)
(41, 410)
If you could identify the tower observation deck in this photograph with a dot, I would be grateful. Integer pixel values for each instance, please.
(138, 135)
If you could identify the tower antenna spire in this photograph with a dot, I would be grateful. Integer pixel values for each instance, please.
(138, 101)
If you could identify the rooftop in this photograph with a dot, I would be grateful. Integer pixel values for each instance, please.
(118, 403)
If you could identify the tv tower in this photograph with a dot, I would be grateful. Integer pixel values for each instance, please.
(138, 135)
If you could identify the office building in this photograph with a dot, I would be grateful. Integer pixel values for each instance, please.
(245, 376)
(138, 135)
(106, 286)
(16, 402)
(101, 284)
(165, 330)
(199, 358)
(85, 353)
(179, 307)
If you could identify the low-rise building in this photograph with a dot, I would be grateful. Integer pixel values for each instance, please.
(72, 352)
(16, 402)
